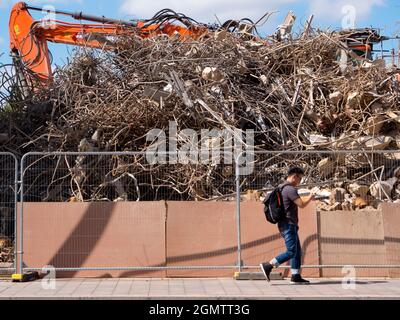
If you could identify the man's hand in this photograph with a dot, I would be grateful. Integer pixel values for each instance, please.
(314, 193)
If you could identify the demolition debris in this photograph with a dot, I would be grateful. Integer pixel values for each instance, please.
(298, 93)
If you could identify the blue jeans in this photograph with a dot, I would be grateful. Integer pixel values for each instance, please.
(289, 232)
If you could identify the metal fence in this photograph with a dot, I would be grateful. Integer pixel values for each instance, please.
(353, 180)
(8, 201)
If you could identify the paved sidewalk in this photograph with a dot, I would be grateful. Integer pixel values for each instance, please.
(167, 289)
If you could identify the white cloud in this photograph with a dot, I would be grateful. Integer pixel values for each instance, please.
(204, 11)
(331, 11)
(324, 10)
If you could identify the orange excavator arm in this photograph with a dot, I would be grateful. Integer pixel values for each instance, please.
(28, 38)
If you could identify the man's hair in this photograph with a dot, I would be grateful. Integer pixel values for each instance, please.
(295, 170)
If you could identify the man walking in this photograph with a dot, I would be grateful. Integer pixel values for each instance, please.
(288, 228)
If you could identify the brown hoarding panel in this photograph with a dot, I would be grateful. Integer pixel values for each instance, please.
(352, 238)
(201, 234)
(391, 226)
(86, 235)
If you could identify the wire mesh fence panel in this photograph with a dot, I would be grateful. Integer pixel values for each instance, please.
(86, 212)
(8, 178)
(122, 214)
(120, 177)
(351, 188)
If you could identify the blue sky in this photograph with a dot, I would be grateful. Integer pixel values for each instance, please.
(383, 14)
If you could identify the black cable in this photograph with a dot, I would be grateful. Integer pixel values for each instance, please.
(167, 15)
(234, 25)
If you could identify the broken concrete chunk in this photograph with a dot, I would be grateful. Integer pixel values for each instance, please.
(207, 73)
(264, 79)
(377, 107)
(352, 100)
(382, 189)
(5, 242)
(216, 89)
(338, 195)
(212, 74)
(85, 146)
(318, 139)
(396, 173)
(336, 97)
(378, 143)
(220, 35)
(193, 52)
(120, 199)
(374, 124)
(242, 67)
(96, 136)
(358, 190)
(394, 116)
(255, 44)
(285, 29)
(189, 84)
(305, 72)
(335, 207)
(326, 167)
(347, 206)
(168, 88)
(392, 181)
(251, 195)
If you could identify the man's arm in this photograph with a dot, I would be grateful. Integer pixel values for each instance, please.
(302, 204)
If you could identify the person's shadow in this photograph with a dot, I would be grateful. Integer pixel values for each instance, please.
(357, 282)
(340, 282)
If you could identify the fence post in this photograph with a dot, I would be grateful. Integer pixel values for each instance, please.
(19, 275)
(9, 179)
(20, 252)
(19, 267)
(238, 224)
(16, 186)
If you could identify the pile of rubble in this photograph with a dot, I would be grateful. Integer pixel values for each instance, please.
(362, 180)
(349, 197)
(299, 93)
(6, 250)
(355, 179)
(357, 196)
(295, 94)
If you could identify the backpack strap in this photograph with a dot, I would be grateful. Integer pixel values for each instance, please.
(284, 185)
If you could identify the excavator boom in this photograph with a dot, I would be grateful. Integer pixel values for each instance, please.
(29, 38)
